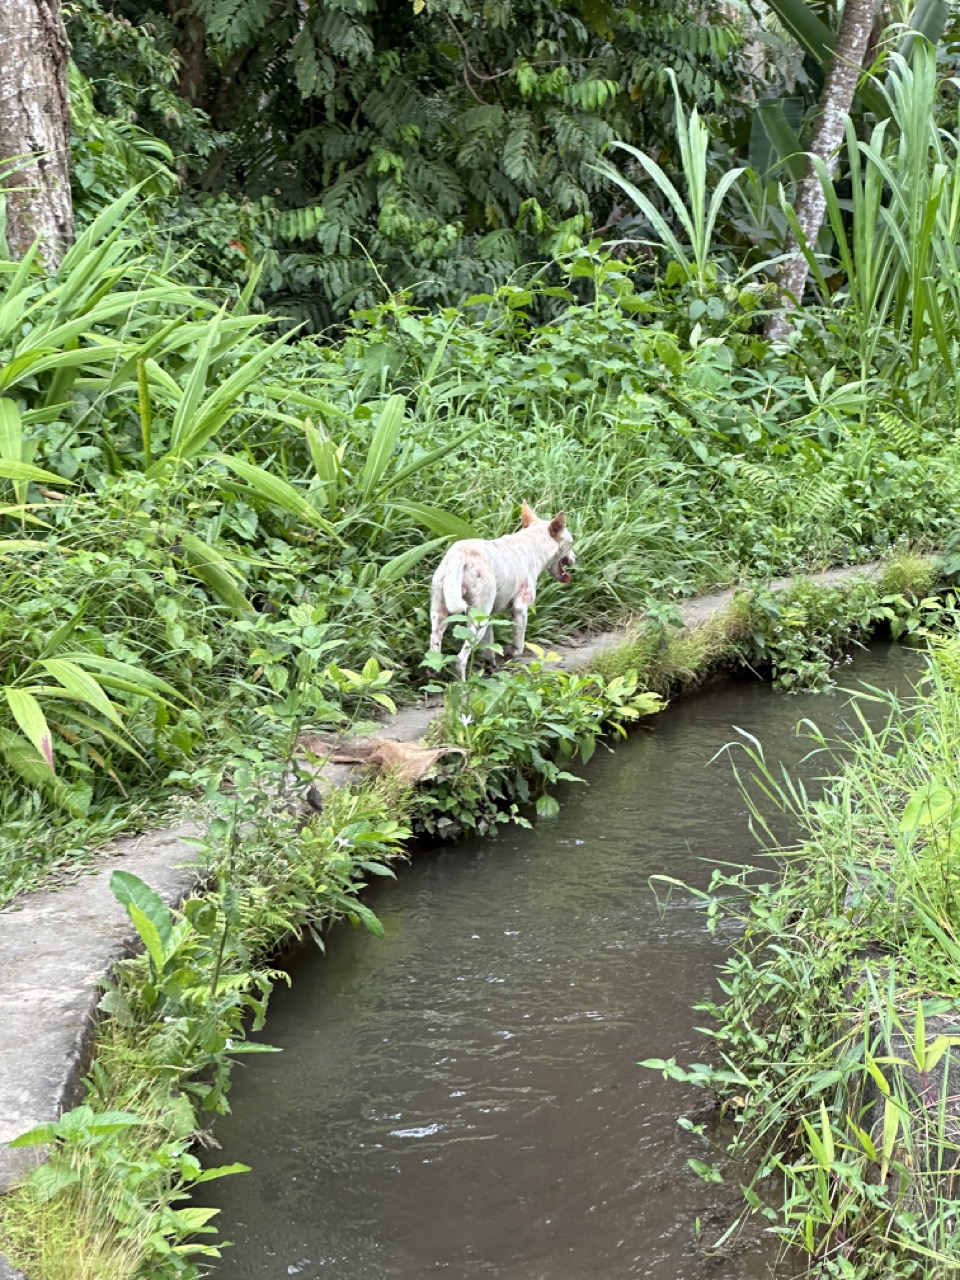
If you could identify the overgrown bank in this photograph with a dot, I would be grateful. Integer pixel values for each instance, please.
(835, 1037)
(111, 1195)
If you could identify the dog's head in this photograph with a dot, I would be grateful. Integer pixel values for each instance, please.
(562, 563)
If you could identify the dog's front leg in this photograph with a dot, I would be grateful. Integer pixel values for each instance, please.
(521, 606)
(519, 627)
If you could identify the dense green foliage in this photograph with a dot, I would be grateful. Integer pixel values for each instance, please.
(446, 144)
(219, 526)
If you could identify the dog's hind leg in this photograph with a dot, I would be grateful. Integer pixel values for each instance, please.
(477, 637)
(438, 619)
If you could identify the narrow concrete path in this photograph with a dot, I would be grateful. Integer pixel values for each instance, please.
(55, 945)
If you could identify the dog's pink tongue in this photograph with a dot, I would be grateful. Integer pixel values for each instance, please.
(564, 577)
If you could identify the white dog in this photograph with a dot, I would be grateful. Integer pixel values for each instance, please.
(490, 575)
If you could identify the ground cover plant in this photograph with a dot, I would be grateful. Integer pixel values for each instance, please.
(833, 1042)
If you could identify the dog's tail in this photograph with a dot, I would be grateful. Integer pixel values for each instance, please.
(447, 595)
(451, 582)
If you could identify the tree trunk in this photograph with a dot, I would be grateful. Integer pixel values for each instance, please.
(35, 125)
(856, 23)
(191, 46)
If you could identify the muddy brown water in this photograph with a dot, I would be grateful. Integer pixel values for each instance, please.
(462, 1098)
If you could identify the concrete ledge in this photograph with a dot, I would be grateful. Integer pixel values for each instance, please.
(56, 945)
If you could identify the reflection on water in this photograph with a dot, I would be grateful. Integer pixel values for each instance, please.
(462, 1097)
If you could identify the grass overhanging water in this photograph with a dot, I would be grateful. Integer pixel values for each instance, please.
(833, 1045)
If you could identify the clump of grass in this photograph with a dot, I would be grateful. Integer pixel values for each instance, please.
(910, 574)
(76, 1241)
(669, 660)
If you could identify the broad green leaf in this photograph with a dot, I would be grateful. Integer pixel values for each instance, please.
(82, 686)
(146, 682)
(383, 445)
(278, 492)
(183, 419)
(928, 806)
(27, 471)
(222, 1171)
(783, 137)
(409, 559)
(936, 1049)
(50, 1180)
(38, 1137)
(27, 712)
(131, 891)
(149, 936)
(547, 807)
(214, 572)
(11, 441)
(813, 35)
(22, 757)
(195, 1217)
(314, 403)
(22, 544)
(437, 520)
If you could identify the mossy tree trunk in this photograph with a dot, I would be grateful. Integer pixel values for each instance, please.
(35, 127)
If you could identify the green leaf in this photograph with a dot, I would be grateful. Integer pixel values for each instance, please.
(146, 682)
(783, 136)
(27, 712)
(27, 471)
(214, 572)
(81, 685)
(11, 441)
(936, 1049)
(41, 1136)
(183, 418)
(149, 935)
(21, 756)
(50, 1179)
(278, 493)
(130, 891)
(222, 1171)
(813, 36)
(928, 806)
(409, 559)
(547, 807)
(383, 444)
(437, 520)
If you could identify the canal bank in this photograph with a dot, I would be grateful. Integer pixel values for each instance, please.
(29, 992)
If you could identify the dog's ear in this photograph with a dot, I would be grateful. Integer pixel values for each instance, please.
(527, 516)
(557, 524)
